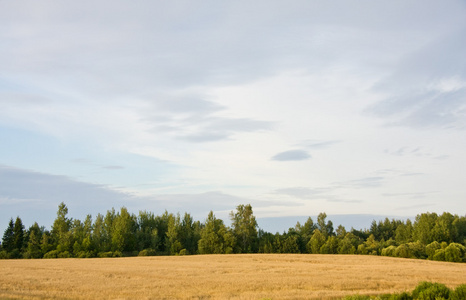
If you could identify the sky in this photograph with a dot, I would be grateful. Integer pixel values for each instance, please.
(295, 107)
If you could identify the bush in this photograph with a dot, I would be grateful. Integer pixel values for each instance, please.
(51, 254)
(403, 251)
(64, 254)
(455, 252)
(432, 248)
(402, 296)
(105, 254)
(389, 251)
(431, 291)
(183, 252)
(439, 255)
(4, 255)
(147, 252)
(459, 293)
(85, 254)
(117, 254)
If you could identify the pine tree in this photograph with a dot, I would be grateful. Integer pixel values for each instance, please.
(18, 236)
(8, 237)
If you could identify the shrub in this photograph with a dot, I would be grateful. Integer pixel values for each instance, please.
(431, 291)
(417, 250)
(183, 252)
(147, 252)
(402, 296)
(389, 251)
(85, 254)
(117, 254)
(4, 255)
(455, 252)
(64, 254)
(431, 248)
(105, 254)
(459, 293)
(403, 251)
(439, 255)
(51, 254)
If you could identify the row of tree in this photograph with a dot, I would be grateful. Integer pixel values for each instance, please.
(431, 236)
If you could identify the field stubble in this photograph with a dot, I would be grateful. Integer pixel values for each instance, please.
(255, 276)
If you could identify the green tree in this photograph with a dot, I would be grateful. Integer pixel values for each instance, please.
(348, 244)
(326, 228)
(123, 232)
(330, 246)
(61, 235)
(33, 249)
(189, 233)
(147, 234)
(423, 228)
(290, 244)
(316, 242)
(18, 234)
(46, 244)
(404, 232)
(244, 228)
(215, 237)
(305, 231)
(443, 230)
(173, 233)
(455, 253)
(8, 243)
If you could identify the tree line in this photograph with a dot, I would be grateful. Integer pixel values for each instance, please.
(120, 233)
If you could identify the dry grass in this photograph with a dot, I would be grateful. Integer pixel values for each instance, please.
(253, 276)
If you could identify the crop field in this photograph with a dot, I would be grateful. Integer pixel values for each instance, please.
(255, 276)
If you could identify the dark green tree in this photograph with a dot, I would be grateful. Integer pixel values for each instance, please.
(18, 236)
(8, 237)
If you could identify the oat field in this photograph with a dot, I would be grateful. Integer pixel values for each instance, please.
(255, 276)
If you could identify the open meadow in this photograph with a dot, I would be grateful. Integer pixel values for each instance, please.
(255, 276)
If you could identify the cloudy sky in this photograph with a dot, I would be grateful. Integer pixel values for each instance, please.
(297, 107)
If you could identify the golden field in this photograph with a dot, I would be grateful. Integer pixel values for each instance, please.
(255, 276)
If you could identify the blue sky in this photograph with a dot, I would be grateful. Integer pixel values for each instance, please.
(301, 107)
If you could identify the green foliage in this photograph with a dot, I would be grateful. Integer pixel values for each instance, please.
(244, 229)
(8, 237)
(290, 245)
(455, 253)
(105, 254)
(431, 291)
(18, 235)
(215, 237)
(147, 252)
(459, 293)
(51, 254)
(389, 251)
(432, 248)
(316, 242)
